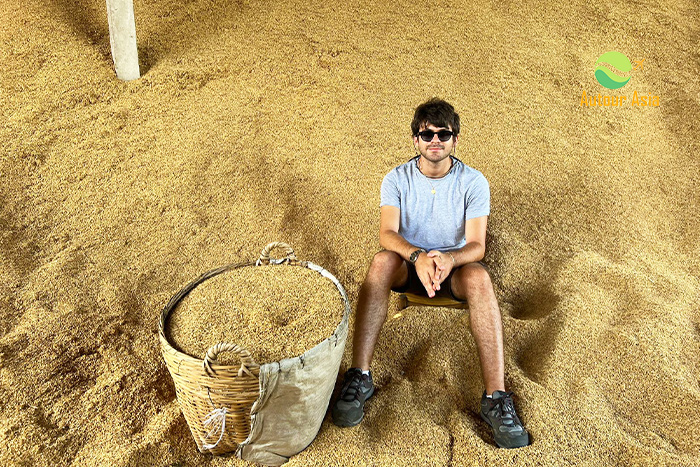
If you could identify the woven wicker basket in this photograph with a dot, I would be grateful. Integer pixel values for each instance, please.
(216, 399)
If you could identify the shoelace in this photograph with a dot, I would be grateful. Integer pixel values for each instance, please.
(352, 383)
(506, 409)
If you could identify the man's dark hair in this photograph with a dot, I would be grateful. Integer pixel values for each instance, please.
(435, 112)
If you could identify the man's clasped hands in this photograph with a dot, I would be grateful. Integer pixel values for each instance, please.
(433, 268)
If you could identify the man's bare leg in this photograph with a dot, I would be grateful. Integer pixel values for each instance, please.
(387, 270)
(472, 283)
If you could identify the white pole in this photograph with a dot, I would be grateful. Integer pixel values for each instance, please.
(122, 37)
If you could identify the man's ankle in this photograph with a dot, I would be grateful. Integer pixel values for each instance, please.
(364, 368)
(497, 388)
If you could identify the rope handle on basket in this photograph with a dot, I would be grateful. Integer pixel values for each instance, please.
(247, 361)
(289, 251)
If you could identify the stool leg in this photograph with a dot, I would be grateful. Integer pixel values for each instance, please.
(403, 302)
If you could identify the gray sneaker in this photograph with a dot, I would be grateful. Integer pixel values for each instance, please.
(357, 388)
(499, 413)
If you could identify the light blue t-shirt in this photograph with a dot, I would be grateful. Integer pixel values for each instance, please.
(436, 221)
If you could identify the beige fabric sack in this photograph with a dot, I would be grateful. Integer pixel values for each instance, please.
(294, 397)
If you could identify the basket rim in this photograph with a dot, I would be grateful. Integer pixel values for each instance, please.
(167, 347)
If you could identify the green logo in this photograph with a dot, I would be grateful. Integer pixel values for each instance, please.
(607, 77)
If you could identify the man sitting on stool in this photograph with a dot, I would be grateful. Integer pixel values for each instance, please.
(433, 217)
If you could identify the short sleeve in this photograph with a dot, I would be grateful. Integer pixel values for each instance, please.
(390, 191)
(478, 198)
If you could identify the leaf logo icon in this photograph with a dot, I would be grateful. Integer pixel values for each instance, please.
(609, 78)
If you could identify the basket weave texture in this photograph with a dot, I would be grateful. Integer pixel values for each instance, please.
(216, 399)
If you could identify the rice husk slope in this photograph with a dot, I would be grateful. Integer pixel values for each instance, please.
(274, 312)
(276, 121)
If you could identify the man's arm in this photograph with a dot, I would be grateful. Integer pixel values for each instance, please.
(475, 235)
(389, 238)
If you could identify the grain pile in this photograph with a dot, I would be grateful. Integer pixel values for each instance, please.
(274, 312)
(259, 121)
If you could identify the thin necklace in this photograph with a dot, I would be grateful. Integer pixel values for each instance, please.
(428, 178)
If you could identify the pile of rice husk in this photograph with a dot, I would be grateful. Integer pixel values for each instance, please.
(260, 121)
(273, 312)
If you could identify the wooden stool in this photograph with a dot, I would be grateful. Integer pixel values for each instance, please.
(409, 299)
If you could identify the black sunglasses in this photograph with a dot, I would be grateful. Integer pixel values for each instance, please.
(443, 135)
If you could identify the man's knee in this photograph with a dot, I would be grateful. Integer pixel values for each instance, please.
(386, 261)
(385, 267)
(475, 279)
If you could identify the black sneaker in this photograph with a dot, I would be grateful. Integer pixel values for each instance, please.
(357, 388)
(499, 413)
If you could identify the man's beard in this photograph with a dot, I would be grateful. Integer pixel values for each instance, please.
(432, 158)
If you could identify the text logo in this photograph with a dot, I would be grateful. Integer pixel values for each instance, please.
(609, 78)
(613, 71)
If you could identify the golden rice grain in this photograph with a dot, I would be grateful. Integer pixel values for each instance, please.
(275, 312)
